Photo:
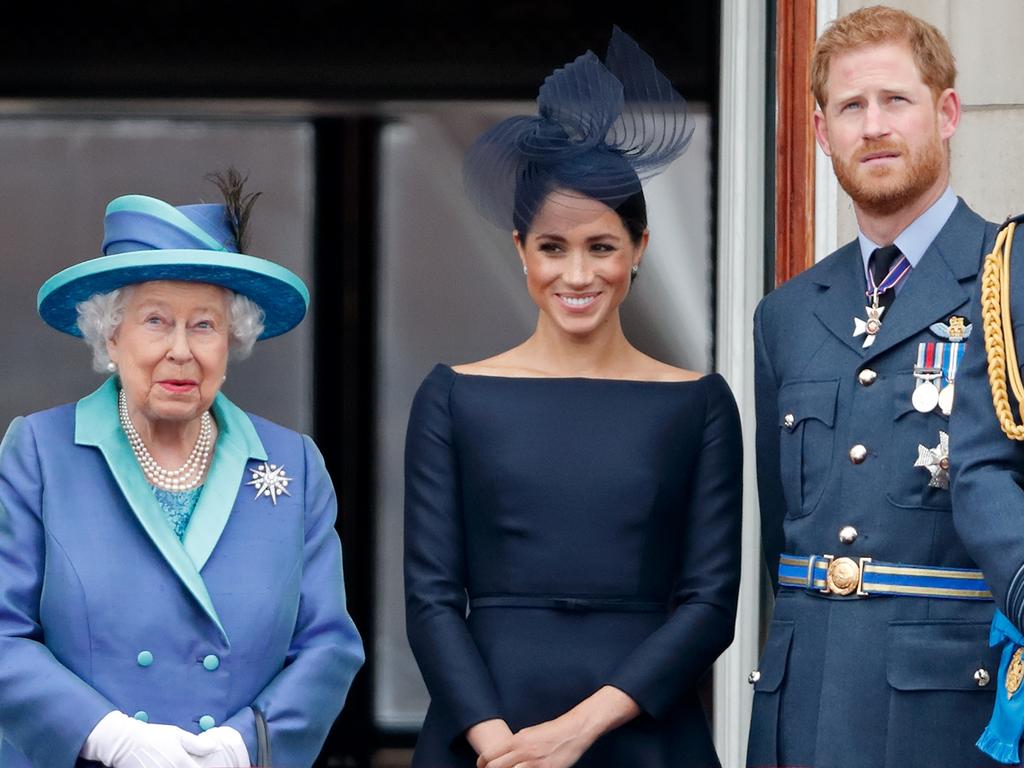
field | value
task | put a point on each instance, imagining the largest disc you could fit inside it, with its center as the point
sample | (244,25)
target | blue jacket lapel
(933,290)
(237,442)
(843,298)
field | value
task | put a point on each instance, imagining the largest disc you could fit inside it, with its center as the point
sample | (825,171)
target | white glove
(229,749)
(120,741)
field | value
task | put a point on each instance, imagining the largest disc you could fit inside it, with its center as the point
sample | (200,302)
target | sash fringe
(994,747)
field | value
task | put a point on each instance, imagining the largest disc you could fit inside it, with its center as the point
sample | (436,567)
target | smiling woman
(583,495)
(579,259)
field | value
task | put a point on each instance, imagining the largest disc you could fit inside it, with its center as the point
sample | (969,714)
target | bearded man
(877,653)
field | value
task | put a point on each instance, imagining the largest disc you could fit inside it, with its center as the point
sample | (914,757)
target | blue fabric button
(206,722)
(142,715)
(211,662)
(145,658)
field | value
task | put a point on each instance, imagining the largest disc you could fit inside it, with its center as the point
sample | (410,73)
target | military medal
(1014,673)
(953,356)
(946,399)
(926,394)
(928,375)
(936,461)
(870,327)
(935,372)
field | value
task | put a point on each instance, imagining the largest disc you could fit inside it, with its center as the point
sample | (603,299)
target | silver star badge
(870,327)
(270,481)
(936,461)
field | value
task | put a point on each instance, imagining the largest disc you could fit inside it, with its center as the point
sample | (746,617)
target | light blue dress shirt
(915,239)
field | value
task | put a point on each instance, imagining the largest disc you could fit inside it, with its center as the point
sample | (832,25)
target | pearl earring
(112,367)
(525,270)
(636,268)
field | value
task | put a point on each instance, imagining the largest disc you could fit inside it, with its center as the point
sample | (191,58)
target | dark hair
(632,211)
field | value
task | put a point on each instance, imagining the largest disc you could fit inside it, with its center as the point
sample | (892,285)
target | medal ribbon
(954,353)
(896,274)
(929,356)
(942,355)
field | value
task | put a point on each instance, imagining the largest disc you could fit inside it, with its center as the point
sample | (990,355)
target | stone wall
(987,151)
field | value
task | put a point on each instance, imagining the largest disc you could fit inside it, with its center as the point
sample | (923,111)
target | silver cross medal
(870,327)
(936,461)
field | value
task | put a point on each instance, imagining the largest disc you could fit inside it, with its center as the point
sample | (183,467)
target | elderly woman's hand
(229,749)
(120,741)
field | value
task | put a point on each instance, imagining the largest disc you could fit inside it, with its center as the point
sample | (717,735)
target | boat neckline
(575,378)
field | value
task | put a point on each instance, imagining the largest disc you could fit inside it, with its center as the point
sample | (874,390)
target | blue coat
(103,608)
(876,681)
(987,467)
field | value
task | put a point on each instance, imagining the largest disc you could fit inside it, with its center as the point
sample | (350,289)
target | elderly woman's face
(171,348)
(579,257)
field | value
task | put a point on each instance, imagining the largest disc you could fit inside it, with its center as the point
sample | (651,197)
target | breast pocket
(908,485)
(942,678)
(807,411)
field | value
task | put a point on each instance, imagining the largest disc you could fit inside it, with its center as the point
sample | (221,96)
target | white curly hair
(101,314)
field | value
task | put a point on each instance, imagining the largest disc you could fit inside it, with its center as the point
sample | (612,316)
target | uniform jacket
(103,608)
(987,467)
(876,681)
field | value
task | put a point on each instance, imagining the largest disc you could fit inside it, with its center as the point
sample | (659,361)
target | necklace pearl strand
(188,475)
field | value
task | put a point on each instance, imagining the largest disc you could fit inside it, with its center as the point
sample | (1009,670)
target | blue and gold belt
(864,577)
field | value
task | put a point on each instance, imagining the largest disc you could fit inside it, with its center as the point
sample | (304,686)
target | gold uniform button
(981,677)
(847,534)
(867,377)
(789,420)
(858,453)
(754,676)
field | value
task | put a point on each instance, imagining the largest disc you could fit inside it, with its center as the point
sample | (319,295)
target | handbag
(263,756)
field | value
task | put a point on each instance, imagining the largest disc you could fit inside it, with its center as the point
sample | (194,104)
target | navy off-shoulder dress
(592,528)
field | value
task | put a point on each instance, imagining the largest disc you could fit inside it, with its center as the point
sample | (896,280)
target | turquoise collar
(96,424)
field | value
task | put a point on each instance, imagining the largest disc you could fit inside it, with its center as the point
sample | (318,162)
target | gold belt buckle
(845,576)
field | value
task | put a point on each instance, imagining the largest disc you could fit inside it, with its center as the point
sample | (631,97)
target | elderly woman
(171,590)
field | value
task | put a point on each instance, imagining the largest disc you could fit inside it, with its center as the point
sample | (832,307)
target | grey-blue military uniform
(878,679)
(988,467)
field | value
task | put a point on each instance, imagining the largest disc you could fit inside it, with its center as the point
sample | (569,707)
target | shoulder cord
(999,341)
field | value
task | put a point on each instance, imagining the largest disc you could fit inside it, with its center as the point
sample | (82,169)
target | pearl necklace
(188,475)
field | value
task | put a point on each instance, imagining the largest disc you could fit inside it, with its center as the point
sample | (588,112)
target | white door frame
(741,187)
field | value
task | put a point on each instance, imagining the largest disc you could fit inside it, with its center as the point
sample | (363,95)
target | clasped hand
(120,741)
(557,743)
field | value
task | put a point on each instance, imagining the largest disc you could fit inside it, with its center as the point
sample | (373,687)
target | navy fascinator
(600,130)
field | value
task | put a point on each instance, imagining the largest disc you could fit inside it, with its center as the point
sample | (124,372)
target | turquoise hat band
(159,211)
(279,292)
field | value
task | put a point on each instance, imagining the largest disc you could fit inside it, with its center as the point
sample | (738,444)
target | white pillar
(741,174)
(826,188)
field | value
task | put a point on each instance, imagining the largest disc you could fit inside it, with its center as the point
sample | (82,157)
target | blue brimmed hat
(147,239)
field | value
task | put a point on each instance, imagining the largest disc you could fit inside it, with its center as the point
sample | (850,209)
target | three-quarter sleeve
(676,655)
(987,475)
(435,564)
(302,701)
(46,710)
